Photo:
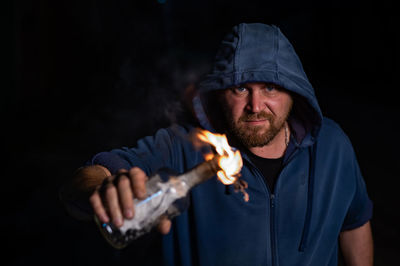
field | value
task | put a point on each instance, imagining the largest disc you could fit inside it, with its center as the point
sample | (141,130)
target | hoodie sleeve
(360,210)
(150,154)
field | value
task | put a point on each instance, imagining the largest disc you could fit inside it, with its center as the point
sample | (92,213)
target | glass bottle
(165,198)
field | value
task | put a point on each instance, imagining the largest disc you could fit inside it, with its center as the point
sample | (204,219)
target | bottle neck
(201,172)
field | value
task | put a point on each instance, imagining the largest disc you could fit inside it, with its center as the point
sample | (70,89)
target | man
(306,190)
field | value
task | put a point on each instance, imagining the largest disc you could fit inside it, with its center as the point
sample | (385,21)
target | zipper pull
(272,197)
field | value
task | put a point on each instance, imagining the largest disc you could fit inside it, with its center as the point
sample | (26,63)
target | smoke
(148,94)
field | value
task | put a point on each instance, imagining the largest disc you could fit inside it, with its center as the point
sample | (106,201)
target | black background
(88,76)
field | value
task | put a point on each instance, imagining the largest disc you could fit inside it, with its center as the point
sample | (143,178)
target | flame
(230,161)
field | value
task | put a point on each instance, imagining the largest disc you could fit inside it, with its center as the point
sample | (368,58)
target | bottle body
(161,196)
(166,194)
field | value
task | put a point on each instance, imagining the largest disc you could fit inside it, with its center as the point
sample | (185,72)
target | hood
(260,53)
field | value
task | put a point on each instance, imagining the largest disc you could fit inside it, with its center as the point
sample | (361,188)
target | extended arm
(357,246)
(114,201)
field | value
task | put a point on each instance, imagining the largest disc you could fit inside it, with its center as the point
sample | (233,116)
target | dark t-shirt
(270,168)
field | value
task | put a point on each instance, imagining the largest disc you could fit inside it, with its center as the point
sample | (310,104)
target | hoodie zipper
(272,204)
(272,214)
(272,229)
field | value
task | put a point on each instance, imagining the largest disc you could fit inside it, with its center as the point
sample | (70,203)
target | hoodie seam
(276,40)
(296,79)
(237,54)
(241,72)
(310,198)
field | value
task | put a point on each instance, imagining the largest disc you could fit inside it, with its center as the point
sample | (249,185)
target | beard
(256,135)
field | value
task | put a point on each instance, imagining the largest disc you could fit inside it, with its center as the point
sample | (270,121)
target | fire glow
(230,161)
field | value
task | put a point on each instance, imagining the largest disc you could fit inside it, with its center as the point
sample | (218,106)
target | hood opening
(303,120)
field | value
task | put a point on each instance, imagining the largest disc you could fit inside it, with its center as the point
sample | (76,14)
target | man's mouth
(256,119)
(256,122)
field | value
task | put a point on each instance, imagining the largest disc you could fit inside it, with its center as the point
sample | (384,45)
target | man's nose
(256,102)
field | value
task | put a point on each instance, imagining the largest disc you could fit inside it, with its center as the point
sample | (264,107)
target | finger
(139,179)
(164,226)
(112,203)
(98,208)
(125,196)
(121,171)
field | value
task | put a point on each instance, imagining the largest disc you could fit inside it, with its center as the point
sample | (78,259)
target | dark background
(88,76)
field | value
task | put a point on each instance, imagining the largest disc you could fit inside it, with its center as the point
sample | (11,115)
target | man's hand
(113,201)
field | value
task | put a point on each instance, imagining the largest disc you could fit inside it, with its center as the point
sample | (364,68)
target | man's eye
(270,88)
(240,89)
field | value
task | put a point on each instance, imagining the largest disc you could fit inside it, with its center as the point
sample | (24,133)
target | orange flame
(230,161)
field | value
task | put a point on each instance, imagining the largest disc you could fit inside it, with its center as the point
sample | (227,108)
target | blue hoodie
(319,193)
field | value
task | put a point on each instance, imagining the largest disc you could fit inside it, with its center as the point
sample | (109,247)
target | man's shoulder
(331,132)
(179,131)
(330,126)
(180,128)
(177,135)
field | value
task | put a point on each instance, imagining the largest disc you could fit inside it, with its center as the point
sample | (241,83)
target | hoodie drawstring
(306,228)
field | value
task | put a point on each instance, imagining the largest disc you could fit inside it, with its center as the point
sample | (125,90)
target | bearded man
(306,190)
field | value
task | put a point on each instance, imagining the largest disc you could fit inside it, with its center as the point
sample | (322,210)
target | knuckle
(123,182)
(98,211)
(94,197)
(141,195)
(135,169)
(139,180)
(126,196)
(139,188)
(109,191)
(136,172)
(122,171)
(97,207)
(127,204)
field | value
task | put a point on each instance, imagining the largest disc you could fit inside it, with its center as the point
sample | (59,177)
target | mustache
(258,116)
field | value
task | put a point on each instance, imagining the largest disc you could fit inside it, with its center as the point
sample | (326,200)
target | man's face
(256,112)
